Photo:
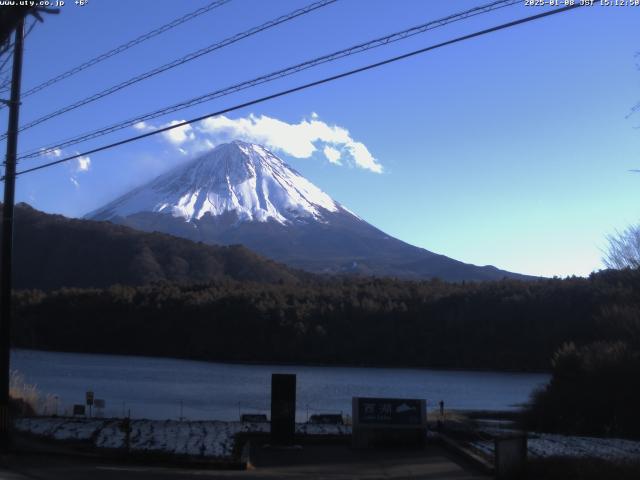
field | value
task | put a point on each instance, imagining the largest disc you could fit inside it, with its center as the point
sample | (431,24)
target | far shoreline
(296,364)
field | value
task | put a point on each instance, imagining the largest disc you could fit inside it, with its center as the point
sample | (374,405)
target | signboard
(389,411)
(389,421)
(283,408)
(326,419)
(89,397)
(78,410)
(254,418)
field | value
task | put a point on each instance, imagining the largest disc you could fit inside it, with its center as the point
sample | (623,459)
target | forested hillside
(507,324)
(52,251)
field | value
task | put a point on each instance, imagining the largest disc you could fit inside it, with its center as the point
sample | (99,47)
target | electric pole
(7,237)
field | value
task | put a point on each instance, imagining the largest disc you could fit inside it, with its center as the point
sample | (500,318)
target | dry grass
(19,389)
(28,393)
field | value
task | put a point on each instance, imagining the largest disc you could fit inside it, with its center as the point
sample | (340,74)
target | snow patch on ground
(216,439)
(553,445)
(545,445)
(212,439)
(61,429)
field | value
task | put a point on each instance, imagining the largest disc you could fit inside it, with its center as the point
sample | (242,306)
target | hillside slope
(52,251)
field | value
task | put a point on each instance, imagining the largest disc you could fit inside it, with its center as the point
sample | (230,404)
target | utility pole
(7,237)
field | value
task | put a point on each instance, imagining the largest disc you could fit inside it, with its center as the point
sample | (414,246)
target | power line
(180,61)
(381,41)
(2,72)
(6,46)
(31,27)
(4,50)
(126,46)
(307,85)
(4,85)
(6,81)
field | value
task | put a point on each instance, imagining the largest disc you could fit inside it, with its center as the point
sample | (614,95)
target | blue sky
(511,149)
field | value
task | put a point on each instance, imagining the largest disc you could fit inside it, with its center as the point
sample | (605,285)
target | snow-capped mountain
(241,193)
(237,177)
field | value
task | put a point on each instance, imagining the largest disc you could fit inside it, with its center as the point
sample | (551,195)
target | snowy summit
(238,177)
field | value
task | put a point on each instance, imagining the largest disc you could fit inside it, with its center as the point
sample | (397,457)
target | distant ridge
(52,251)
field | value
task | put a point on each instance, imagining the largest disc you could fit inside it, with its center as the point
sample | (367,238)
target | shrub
(594,390)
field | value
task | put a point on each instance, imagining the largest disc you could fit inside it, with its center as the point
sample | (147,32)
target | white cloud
(83,164)
(179,135)
(54,153)
(80,165)
(143,127)
(299,140)
(296,139)
(332,155)
(363,157)
(198,145)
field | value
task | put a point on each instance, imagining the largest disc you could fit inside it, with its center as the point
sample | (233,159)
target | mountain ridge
(53,251)
(241,193)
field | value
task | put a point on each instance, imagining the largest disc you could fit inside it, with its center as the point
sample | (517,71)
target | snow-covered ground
(552,445)
(215,439)
(211,439)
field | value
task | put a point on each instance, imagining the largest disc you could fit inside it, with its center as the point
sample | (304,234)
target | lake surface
(161,388)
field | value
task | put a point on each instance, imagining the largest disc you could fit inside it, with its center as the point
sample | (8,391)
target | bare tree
(623,250)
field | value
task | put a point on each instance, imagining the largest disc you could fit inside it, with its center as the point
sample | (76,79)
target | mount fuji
(241,193)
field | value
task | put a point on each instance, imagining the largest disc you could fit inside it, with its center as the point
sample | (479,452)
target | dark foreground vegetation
(509,324)
(594,390)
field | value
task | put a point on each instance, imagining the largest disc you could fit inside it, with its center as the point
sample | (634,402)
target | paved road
(334,463)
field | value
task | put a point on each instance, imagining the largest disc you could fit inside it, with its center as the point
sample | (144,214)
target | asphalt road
(308,463)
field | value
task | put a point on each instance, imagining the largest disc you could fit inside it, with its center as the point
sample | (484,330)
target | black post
(283,408)
(7,237)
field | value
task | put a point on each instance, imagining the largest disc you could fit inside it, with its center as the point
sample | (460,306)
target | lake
(163,388)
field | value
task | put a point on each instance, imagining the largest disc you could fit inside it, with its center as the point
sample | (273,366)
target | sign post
(510,455)
(89,400)
(283,408)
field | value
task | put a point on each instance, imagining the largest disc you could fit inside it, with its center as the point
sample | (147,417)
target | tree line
(503,325)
